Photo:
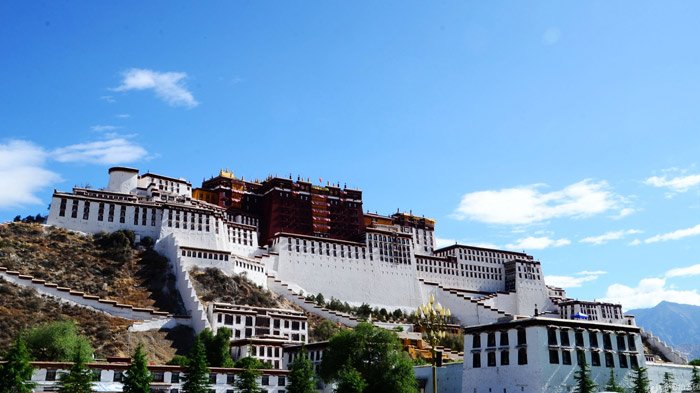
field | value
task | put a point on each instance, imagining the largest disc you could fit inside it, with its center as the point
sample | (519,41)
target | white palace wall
(354,280)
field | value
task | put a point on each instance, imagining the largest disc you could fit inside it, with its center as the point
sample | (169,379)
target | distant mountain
(676,324)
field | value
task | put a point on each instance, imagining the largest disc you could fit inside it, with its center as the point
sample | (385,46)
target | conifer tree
(695,380)
(138,378)
(247,381)
(196,372)
(612,386)
(640,381)
(302,378)
(584,383)
(16,373)
(217,347)
(79,378)
(667,383)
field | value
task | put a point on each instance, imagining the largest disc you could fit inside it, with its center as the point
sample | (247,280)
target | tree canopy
(79,378)
(217,347)
(302,378)
(695,380)
(375,354)
(640,381)
(56,341)
(138,378)
(247,381)
(196,372)
(584,383)
(16,373)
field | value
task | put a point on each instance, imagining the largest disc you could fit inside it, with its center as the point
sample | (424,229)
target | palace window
(476,360)
(62,208)
(609,361)
(74,209)
(522,338)
(623,360)
(86,210)
(552,336)
(554,356)
(621,343)
(595,359)
(564,334)
(566,357)
(593,338)
(522,356)
(505,358)
(476,343)
(504,339)
(491,359)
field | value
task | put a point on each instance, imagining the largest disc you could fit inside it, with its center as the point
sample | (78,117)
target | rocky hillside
(98,265)
(676,324)
(22,308)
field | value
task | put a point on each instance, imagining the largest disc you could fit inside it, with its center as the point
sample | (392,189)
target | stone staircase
(469,310)
(82,299)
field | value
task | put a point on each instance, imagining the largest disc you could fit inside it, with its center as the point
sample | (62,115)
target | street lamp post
(432,318)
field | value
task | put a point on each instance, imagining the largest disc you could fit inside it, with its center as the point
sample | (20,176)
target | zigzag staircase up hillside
(467,308)
(285,290)
(145,318)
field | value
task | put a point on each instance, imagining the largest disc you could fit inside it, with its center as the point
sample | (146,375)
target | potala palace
(296,237)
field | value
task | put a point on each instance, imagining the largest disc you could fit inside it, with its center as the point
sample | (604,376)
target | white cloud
(551,36)
(608,236)
(675,235)
(123,116)
(111,151)
(574,281)
(675,184)
(648,293)
(635,242)
(104,127)
(537,243)
(23,173)
(169,86)
(624,212)
(109,99)
(527,204)
(693,270)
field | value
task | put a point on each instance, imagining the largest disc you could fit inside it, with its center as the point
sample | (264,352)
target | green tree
(324,330)
(695,380)
(79,378)
(640,381)
(178,360)
(694,362)
(247,381)
(56,341)
(375,354)
(320,300)
(138,378)
(612,386)
(302,378)
(584,383)
(16,373)
(667,383)
(217,347)
(196,372)
(350,381)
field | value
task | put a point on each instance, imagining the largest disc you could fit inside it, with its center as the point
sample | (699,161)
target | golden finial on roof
(226,173)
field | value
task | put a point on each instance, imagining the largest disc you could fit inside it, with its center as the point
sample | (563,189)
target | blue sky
(567,130)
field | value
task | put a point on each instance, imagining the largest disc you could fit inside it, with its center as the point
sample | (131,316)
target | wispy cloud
(537,243)
(110,151)
(104,128)
(23,173)
(688,271)
(575,281)
(674,235)
(168,86)
(122,116)
(675,184)
(609,236)
(528,204)
(109,99)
